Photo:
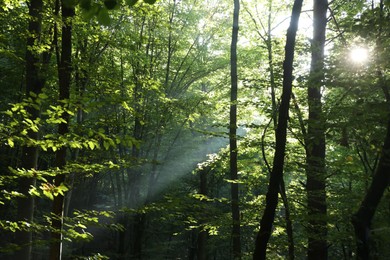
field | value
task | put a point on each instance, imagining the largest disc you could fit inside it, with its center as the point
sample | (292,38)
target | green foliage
(150,1)
(131,2)
(101,10)
(148,102)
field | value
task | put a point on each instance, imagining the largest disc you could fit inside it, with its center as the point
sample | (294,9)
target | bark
(276,176)
(29,159)
(315,146)
(361,220)
(233,136)
(289,231)
(64,76)
(289,228)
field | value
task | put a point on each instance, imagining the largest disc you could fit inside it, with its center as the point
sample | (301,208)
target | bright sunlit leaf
(10,142)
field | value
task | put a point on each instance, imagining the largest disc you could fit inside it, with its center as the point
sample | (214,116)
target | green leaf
(131,2)
(81,225)
(10,142)
(85,4)
(91,145)
(110,4)
(150,1)
(43,96)
(8,112)
(103,17)
(70,3)
(61,189)
(48,194)
(89,13)
(34,192)
(126,106)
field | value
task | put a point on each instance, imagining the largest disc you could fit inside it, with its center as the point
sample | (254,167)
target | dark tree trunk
(361,220)
(281,136)
(289,231)
(315,146)
(29,159)
(233,136)
(289,227)
(64,76)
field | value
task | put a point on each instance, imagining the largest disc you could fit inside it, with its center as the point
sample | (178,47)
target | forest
(172,129)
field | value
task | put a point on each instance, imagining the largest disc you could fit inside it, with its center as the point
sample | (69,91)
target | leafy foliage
(148,113)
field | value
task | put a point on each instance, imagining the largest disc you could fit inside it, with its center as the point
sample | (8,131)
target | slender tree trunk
(139,218)
(135,176)
(233,136)
(201,251)
(289,231)
(64,76)
(315,146)
(281,137)
(271,64)
(29,159)
(120,179)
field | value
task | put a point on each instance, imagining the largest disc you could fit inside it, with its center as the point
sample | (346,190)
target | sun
(358,54)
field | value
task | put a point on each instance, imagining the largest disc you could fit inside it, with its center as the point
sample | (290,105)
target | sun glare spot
(358,55)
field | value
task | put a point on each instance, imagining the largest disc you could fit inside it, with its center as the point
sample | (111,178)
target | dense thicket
(115,128)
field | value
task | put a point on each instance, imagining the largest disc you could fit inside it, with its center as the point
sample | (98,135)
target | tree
(201,251)
(233,136)
(64,80)
(35,80)
(362,219)
(143,134)
(265,34)
(276,176)
(315,140)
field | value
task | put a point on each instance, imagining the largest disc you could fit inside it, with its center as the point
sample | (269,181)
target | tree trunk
(29,159)
(289,230)
(233,136)
(135,176)
(281,136)
(315,146)
(361,220)
(201,251)
(64,76)
(289,227)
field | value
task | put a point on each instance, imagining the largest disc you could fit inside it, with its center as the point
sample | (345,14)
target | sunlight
(358,54)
